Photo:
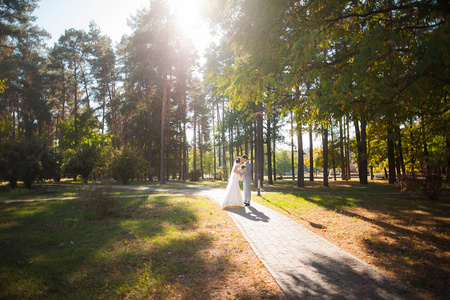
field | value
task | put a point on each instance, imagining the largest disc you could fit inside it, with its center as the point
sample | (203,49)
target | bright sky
(111,16)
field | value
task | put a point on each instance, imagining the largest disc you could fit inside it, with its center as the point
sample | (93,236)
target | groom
(246,179)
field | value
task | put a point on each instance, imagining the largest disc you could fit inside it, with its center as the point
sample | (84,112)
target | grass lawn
(71,189)
(157,247)
(405,235)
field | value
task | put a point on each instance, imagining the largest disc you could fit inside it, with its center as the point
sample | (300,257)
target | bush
(128,164)
(195,175)
(84,161)
(97,198)
(51,165)
(430,183)
(23,160)
(433,182)
(223,173)
(407,183)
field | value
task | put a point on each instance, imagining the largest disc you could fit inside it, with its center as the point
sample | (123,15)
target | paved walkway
(305,265)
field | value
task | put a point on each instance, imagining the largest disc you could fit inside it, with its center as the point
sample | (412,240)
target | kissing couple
(233,197)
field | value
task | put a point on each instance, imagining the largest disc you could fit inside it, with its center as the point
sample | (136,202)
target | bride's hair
(238,160)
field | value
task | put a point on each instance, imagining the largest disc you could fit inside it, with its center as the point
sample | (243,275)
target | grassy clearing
(72,188)
(38,192)
(158,248)
(405,235)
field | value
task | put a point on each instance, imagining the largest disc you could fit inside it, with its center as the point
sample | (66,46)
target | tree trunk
(115,138)
(311,154)
(300,167)
(214,144)
(219,137)
(180,151)
(88,105)
(333,158)
(75,114)
(269,152)
(325,157)
(261,148)
(362,150)
(341,144)
(162,161)
(447,143)
(391,153)
(257,149)
(292,148)
(231,150)
(253,147)
(400,159)
(200,139)
(364,163)
(168,136)
(425,144)
(274,158)
(259,162)
(185,154)
(347,152)
(224,159)
(194,141)
(149,125)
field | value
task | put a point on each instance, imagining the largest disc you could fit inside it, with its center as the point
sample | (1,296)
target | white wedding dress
(233,196)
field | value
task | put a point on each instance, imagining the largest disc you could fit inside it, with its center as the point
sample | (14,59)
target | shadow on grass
(149,248)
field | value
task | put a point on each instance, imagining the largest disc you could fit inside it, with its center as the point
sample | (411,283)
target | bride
(233,196)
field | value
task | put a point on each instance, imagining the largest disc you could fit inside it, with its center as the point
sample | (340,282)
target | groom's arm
(248,169)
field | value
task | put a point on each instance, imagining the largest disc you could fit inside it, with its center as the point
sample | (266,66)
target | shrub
(97,198)
(223,173)
(430,183)
(195,175)
(128,164)
(433,182)
(407,183)
(23,160)
(83,161)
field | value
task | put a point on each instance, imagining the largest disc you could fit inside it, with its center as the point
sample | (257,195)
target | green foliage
(128,164)
(51,161)
(283,161)
(195,175)
(83,161)
(26,160)
(83,147)
(375,61)
(30,156)
(223,173)
(84,131)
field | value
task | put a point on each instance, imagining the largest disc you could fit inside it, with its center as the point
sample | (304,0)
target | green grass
(72,189)
(54,250)
(338,195)
(38,192)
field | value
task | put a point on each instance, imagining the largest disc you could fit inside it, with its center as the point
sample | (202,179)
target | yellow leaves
(3,86)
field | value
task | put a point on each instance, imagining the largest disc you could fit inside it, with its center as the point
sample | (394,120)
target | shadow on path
(253,214)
